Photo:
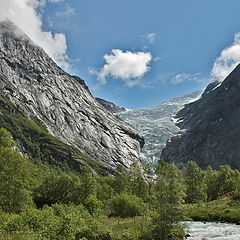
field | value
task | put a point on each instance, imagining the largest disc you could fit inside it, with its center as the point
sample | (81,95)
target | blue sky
(163,49)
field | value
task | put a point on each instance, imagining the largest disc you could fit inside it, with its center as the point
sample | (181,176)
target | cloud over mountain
(187,77)
(25,14)
(227,61)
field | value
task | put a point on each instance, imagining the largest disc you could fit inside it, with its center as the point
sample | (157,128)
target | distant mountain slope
(210,127)
(156,124)
(61,103)
(110,106)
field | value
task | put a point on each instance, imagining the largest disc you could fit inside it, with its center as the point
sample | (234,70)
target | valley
(74,166)
(157,124)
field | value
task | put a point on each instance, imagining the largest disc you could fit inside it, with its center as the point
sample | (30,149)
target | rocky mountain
(210,127)
(32,83)
(157,124)
(110,106)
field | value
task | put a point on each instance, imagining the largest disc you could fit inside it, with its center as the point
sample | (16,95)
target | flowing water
(215,231)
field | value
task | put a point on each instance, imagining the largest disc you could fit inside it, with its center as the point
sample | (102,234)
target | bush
(58,222)
(126,205)
(93,205)
(14,193)
(57,189)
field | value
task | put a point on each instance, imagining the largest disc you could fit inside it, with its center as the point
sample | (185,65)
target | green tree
(14,173)
(169,195)
(150,168)
(93,205)
(210,180)
(122,182)
(139,186)
(88,184)
(195,183)
(58,189)
(127,205)
(227,180)
(6,140)
(56,222)
(104,190)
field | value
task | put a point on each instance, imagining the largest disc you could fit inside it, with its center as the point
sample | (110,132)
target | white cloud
(24,14)
(55,1)
(227,61)
(69,11)
(127,66)
(187,77)
(158,58)
(150,37)
(163,78)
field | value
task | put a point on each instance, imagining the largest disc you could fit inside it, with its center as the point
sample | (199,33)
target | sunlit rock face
(210,127)
(61,102)
(110,106)
(157,124)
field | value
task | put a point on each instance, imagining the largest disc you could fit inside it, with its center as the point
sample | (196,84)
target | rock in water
(61,102)
(210,127)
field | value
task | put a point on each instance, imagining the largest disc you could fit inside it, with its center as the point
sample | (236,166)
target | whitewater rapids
(211,230)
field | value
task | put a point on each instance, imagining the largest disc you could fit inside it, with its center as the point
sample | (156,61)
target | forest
(40,202)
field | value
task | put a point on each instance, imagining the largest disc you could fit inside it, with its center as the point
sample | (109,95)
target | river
(211,230)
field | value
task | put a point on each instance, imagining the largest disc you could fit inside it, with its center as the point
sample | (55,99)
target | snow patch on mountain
(157,124)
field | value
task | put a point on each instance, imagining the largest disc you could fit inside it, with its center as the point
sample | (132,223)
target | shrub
(58,222)
(93,205)
(126,205)
(57,189)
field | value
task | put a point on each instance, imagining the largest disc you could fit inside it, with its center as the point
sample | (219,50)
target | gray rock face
(157,124)
(110,106)
(210,127)
(62,102)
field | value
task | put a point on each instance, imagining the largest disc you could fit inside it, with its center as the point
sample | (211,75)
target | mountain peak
(9,29)
(210,127)
(61,102)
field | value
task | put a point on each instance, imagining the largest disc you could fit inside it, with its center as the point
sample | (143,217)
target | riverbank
(225,209)
(134,228)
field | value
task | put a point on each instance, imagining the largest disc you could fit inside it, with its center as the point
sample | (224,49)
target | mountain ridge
(110,106)
(61,102)
(210,127)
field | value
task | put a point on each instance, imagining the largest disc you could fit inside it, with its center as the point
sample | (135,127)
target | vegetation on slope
(65,205)
(39,145)
(224,209)
(39,202)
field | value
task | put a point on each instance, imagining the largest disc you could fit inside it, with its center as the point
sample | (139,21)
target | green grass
(20,236)
(224,209)
(133,228)
(122,229)
(127,228)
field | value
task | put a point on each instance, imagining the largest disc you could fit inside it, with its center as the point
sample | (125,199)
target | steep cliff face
(210,127)
(61,102)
